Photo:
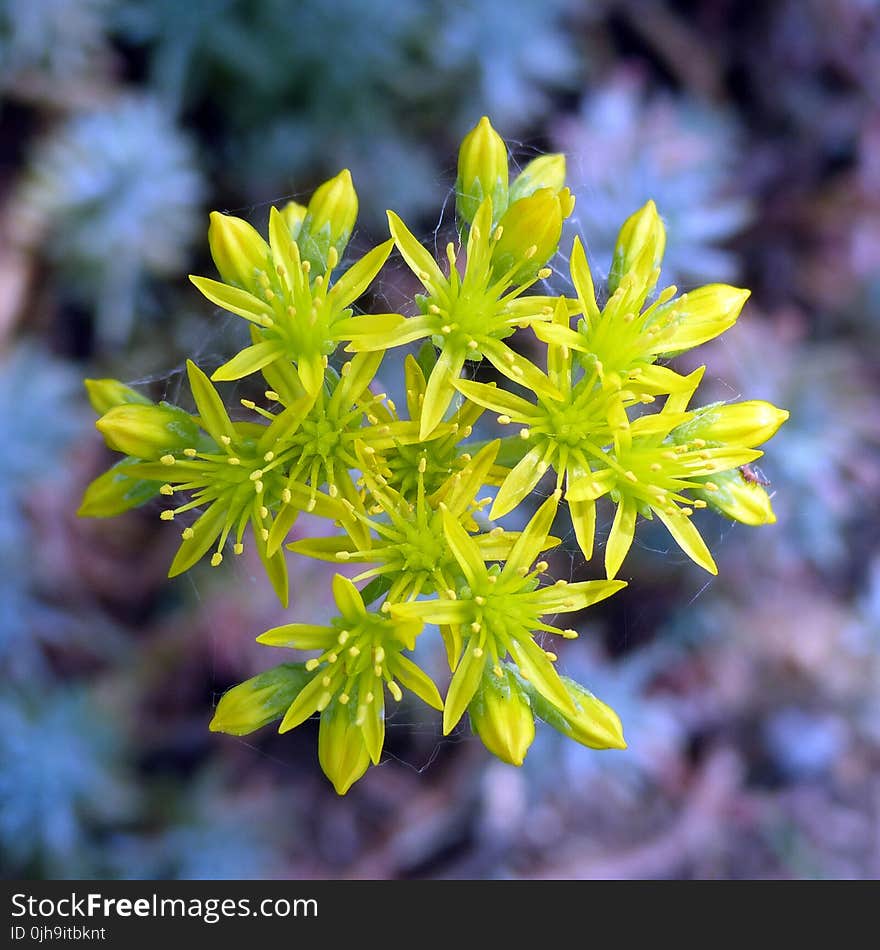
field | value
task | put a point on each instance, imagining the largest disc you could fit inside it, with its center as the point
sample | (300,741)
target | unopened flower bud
(738,497)
(148,432)
(639,248)
(329,220)
(546,171)
(342,751)
(115,492)
(259,700)
(594,723)
(744,424)
(105,394)
(482,173)
(700,315)
(502,717)
(294,214)
(239,252)
(531,229)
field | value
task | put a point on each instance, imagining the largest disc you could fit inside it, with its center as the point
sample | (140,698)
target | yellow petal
(463,686)
(299,636)
(463,549)
(440,390)
(583,520)
(540,672)
(531,542)
(236,301)
(249,360)
(352,284)
(688,538)
(211,409)
(522,479)
(621,537)
(205,532)
(583,281)
(373,725)
(420,262)
(417,681)
(498,400)
(348,598)
(305,704)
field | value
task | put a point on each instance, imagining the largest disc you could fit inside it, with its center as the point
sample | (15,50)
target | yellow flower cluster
(400,488)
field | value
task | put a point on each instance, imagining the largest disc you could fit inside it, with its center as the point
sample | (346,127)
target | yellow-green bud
(238,250)
(546,171)
(595,724)
(737,497)
(639,248)
(342,751)
(502,717)
(530,234)
(329,220)
(744,424)
(147,432)
(700,315)
(294,214)
(104,394)
(259,700)
(114,492)
(482,173)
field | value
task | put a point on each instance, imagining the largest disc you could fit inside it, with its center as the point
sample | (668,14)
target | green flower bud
(329,220)
(595,724)
(482,173)
(738,497)
(639,248)
(342,750)
(114,492)
(148,432)
(745,424)
(294,214)
(238,250)
(501,715)
(259,700)
(530,232)
(105,394)
(547,171)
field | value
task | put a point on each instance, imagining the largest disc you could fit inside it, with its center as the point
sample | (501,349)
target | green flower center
(322,436)
(570,425)
(423,547)
(356,667)
(439,458)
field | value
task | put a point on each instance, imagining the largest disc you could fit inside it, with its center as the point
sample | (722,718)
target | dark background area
(751,703)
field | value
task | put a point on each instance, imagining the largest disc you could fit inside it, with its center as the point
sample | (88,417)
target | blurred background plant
(751,704)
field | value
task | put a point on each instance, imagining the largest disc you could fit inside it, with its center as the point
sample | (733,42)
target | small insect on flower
(753,475)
